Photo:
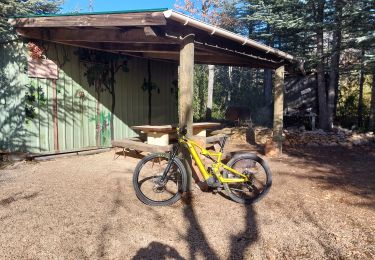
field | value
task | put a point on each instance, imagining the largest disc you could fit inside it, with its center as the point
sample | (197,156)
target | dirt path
(321,205)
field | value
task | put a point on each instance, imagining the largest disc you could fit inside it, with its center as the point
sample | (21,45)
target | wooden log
(278,108)
(186,84)
(185,98)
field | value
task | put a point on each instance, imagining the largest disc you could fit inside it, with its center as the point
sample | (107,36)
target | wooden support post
(278,112)
(185,97)
(54,116)
(186,84)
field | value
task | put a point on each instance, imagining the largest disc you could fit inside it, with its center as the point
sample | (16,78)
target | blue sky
(114,5)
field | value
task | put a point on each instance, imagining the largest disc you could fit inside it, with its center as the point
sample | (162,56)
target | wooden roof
(151,34)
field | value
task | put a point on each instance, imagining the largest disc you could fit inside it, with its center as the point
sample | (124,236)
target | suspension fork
(169,165)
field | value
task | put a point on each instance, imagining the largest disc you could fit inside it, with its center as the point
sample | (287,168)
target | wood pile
(319,137)
(296,137)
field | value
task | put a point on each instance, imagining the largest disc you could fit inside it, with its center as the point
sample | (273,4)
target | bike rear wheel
(147,180)
(259,174)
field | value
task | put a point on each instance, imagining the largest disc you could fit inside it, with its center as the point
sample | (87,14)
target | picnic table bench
(158,137)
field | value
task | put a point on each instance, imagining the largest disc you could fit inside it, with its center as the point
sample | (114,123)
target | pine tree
(335,59)
(318,31)
(9,8)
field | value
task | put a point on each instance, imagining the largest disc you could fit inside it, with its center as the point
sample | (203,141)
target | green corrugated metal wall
(77,115)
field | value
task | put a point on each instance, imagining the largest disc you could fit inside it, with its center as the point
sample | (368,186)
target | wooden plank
(155,128)
(131,35)
(172,128)
(205,125)
(139,146)
(127,19)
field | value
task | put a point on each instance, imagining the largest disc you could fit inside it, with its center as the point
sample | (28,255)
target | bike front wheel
(258,173)
(147,180)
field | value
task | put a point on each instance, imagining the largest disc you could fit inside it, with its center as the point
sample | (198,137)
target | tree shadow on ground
(243,240)
(195,237)
(156,250)
(199,245)
(121,154)
(339,168)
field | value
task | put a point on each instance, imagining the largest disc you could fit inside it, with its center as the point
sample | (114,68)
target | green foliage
(11,8)
(347,107)
(237,86)
(200,92)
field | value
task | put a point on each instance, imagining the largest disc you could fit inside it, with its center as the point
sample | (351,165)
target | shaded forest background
(334,38)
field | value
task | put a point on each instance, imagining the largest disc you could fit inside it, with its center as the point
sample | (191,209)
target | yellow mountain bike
(159,179)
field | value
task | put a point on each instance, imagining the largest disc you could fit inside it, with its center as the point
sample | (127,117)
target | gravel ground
(321,205)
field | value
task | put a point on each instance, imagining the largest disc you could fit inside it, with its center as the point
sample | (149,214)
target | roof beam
(175,31)
(92,35)
(128,19)
(216,50)
(213,59)
(128,47)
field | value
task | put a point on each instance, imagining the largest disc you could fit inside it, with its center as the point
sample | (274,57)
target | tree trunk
(360,98)
(372,111)
(335,60)
(278,110)
(322,95)
(267,76)
(210,90)
(230,76)
(267,86)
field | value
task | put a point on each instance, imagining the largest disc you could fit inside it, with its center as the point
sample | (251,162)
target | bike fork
(171,157)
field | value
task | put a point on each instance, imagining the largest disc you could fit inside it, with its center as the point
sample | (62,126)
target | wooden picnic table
(160,134)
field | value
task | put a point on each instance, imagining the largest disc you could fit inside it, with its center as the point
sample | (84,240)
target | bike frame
(216,166)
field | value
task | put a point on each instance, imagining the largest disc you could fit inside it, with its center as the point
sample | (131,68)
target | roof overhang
(155,34)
